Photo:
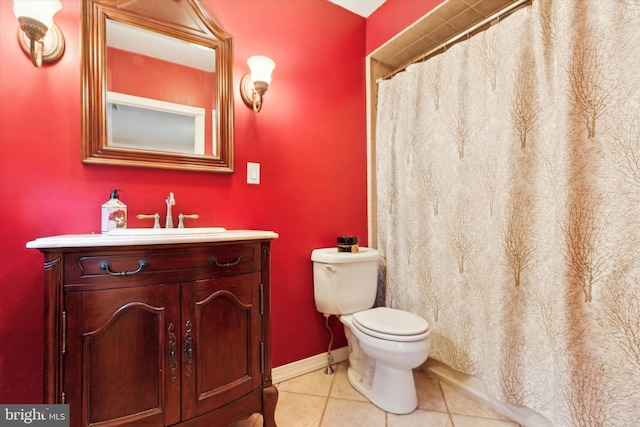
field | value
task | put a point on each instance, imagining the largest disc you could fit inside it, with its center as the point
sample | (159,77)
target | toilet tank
(344,282)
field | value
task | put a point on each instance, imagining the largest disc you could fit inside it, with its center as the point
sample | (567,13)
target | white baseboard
(473,387)
(304,366)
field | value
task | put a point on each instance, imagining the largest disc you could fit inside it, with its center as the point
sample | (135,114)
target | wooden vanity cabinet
(159,335)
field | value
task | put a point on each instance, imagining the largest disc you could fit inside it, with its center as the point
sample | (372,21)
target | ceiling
(359,7)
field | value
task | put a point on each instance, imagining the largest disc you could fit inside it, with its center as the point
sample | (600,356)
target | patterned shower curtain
(508,207)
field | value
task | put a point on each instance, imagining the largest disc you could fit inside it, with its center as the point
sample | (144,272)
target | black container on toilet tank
(348,243)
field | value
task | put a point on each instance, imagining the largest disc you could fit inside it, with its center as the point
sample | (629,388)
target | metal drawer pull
(188,349)
(173,364)
(214,260)
(106,266)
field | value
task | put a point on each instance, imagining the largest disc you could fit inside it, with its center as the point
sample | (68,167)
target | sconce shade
(39,37)
(253,86)
(261,68)
(40,10)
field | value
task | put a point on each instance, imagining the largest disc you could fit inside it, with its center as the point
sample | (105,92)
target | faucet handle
(181,218)
(156,219)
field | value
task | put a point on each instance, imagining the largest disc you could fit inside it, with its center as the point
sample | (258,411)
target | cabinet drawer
(163,265)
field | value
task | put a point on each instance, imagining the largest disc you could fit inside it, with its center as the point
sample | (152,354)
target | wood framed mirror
(156,86)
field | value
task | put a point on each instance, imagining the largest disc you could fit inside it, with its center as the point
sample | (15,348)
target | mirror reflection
(156,86)
(160,92)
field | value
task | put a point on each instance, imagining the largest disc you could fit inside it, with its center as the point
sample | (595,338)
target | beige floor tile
(316,383)
(341,388)
(419,418)
(429,393)
(349,413)
(459,403)
(469,421)
(299,410)
(320,400)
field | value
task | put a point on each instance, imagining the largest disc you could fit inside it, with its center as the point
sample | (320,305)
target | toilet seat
(391,324)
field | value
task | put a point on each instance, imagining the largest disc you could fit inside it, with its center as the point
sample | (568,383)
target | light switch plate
(253,173)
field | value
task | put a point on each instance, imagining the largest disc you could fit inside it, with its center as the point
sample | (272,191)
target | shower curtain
(508,207)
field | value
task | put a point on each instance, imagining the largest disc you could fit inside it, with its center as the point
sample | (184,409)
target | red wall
(393,17)
(310,139)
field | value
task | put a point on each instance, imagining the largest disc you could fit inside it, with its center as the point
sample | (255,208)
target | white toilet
(385,344)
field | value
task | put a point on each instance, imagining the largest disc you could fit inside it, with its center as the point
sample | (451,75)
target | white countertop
(104,240)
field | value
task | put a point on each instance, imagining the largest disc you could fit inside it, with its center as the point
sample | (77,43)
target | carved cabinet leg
(269,400)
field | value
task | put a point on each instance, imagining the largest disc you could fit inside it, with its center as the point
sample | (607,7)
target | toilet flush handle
(329,267)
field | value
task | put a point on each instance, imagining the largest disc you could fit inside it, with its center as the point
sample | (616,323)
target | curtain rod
(498,15)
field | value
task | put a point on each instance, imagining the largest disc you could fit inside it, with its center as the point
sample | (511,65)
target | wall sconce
(254,85)
(39,37)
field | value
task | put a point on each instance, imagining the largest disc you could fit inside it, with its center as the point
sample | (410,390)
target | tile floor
(320,400)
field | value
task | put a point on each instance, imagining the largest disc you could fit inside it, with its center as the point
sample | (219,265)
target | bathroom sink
(144,232)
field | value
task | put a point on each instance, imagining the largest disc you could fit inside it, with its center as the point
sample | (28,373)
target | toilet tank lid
(332,256)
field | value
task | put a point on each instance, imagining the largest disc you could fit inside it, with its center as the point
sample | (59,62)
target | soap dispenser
(114,213)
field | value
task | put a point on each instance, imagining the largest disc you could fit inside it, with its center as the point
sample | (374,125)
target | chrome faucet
(171,201)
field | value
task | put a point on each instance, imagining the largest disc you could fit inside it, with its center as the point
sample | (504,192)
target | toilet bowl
(385,344)
(380,365)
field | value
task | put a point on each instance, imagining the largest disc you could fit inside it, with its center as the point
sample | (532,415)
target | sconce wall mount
(254,85)
(39,37)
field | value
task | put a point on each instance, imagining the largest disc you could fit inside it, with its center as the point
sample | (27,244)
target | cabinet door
(122,359)
(221,324)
